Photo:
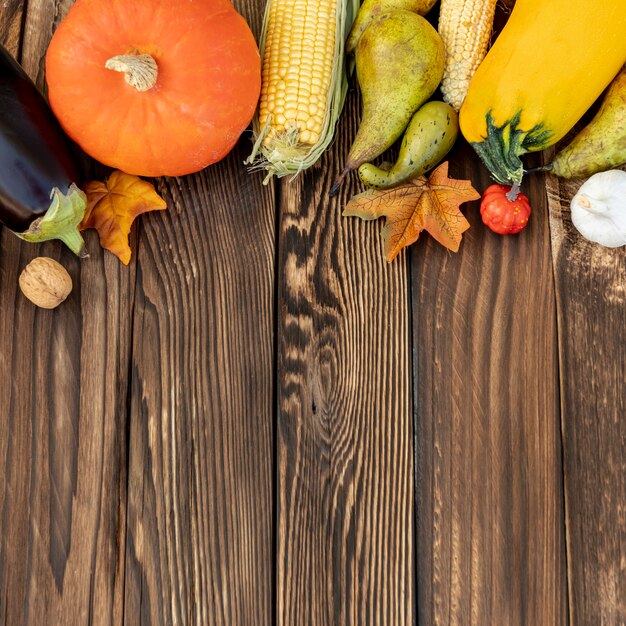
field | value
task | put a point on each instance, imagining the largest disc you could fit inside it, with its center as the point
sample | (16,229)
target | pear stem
(140,70)
(334,190)
(541,168)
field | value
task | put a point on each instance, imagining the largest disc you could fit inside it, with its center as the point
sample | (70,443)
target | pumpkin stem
(140,70)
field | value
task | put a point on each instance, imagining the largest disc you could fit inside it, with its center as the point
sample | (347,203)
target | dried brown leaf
(430,204)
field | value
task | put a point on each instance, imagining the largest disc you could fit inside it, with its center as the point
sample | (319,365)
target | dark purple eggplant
(39,199)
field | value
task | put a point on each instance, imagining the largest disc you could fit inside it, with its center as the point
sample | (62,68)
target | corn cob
(465,27)
(303,82)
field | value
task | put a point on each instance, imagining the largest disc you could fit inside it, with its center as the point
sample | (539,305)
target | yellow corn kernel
(465,28)
(298,57)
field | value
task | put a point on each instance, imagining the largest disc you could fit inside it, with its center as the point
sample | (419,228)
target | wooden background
(261,422)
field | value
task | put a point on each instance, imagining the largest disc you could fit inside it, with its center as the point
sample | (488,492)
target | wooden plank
(591,309)
(42,19)
(11,22)
(199,547)
(490,530)
(62,432)
(62,444)
(345,472)
(490,538)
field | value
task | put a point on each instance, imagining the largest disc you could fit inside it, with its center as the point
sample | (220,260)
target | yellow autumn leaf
(430,204)
(113,205)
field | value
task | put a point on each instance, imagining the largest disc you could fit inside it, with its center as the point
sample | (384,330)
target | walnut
(45,282)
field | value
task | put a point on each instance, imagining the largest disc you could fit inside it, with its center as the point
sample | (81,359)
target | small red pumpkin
(502,215)
(154,87)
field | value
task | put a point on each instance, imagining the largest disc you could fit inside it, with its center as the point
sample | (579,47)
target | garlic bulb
(599,208)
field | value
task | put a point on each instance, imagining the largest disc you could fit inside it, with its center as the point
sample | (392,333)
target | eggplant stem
(61,221)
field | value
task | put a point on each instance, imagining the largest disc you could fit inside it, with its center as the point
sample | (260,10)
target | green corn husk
(286,156)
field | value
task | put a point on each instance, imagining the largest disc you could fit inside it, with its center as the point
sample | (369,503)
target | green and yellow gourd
(550,63)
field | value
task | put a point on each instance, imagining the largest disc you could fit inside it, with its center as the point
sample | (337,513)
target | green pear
(430,135)
(399,64)
(372,8)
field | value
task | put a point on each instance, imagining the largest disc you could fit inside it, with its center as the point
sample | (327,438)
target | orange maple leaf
(430,204)
(113,205)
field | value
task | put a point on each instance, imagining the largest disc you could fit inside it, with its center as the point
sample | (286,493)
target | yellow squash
(551,61)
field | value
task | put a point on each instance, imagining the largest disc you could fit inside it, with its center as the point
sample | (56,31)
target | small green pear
(430,135)
(372,8)
(399,64)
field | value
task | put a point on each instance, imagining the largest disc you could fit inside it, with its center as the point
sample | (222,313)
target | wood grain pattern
(63,518)
(260,422)
(345,474)
(62,442)
(42,19)
(491,546)
(590,283)
(199,547)
(491,541)
(11,23)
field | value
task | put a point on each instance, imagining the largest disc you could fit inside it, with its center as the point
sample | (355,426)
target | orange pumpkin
(154,87)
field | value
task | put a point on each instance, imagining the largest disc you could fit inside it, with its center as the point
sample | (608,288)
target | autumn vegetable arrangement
(148,88)
(39,174)
(522,95)
(155,88)
(507,100)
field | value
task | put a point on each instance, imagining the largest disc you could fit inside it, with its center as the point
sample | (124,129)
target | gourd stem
(513,192)
(140,70)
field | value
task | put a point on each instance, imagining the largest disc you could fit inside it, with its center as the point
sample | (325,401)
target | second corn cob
(465,27)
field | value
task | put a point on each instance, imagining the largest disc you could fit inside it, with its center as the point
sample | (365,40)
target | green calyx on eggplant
(39,199)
